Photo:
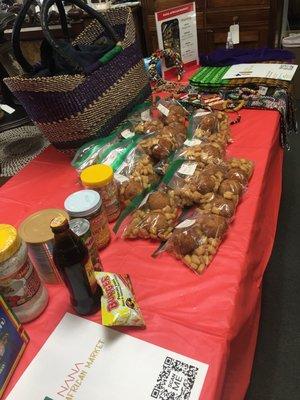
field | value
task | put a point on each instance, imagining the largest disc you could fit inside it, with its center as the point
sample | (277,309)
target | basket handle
(17,31)
(90,11)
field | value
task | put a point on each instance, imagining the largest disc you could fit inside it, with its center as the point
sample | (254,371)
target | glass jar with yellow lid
(100,177)
(20,284)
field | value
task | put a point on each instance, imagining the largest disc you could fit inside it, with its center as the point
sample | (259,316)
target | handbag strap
(17,31)
(90,11)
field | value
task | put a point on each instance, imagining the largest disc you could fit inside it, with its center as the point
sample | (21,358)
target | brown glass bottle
(72,260)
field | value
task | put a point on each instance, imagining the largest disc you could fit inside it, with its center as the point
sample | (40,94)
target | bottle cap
(59,224)
(10,241)
(97,175)
(83,203)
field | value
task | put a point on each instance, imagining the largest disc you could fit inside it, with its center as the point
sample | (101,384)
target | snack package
(171,111)
(115,154)
(202,152)
(118,304)
(192,183)
(162,144)
(135,175)
(154,219)
(90,152)
(196,239)
(240,169)
(140,113)
(212,127)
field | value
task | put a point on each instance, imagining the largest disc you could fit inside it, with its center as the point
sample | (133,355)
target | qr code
(287,67)
(175,381)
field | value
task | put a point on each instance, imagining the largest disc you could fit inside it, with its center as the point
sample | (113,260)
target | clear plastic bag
(171,111)
(204,153)
(115,154)
(196,239)
(212,127)
(90,152)
(162,144)
(135,175)
(193,184)
(154,219)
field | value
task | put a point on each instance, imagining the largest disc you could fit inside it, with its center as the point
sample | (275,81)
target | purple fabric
(223,57)
(47,106)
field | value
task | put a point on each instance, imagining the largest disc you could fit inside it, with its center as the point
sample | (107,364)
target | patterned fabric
(276,99)
(73,109)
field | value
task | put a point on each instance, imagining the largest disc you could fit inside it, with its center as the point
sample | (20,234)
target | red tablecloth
(213,317)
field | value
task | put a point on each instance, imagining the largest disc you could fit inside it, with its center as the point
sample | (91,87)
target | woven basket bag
(73,109)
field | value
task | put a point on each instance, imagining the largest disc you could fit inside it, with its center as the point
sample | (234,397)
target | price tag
(235,33)
(111,158)
(186,223)
(201,112)
(188,169)
(145,115)
(262,90)
(127,134)
(121,178)
(7,109)
(164,110)
(144,201)
(192,142)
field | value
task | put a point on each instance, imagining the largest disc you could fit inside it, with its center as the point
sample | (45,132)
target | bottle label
(22,286)
(90,275)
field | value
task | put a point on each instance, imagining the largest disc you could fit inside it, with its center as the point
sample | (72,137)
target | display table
(212,318)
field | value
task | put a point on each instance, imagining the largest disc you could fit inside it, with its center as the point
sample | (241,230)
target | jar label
(89,242)
(100,230)
(90,275)
(22,286)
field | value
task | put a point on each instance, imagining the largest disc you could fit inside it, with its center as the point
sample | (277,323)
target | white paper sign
(283,72)
(235,33)
(188,168)
(177,29)
(83,360)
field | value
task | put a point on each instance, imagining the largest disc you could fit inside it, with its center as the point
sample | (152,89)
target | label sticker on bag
(121,178)
(145,115)
(127,134)
(111,157)
(201,113)
(7,109)
(188,168)
(192,142)
(164,110)
(186,223)
(144,200)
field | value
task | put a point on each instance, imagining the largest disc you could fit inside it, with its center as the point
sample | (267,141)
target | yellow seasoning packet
(118,305)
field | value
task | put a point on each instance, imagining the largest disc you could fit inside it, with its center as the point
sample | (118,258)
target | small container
(20,284)
(81,228)
(100,177)
(36,232)
(88,204)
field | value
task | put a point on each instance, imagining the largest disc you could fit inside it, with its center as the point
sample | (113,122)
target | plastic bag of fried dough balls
(135,175)
(154,219)
(162,144)
(212,127)
(204,153)
(171,111)
(193,184)
(196,239)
